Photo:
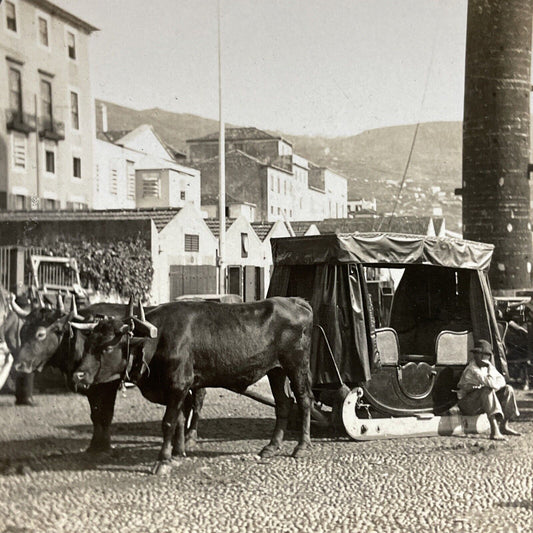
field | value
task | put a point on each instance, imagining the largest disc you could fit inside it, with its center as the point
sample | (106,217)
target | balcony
(51,129)
(19,121)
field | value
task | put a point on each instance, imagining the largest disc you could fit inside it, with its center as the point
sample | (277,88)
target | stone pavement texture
(440,484)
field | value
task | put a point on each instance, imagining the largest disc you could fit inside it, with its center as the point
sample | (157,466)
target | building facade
(135,169)
(46,120)
(263,169)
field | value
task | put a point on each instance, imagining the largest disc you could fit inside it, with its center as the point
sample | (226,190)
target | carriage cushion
(453,347)
(388,346)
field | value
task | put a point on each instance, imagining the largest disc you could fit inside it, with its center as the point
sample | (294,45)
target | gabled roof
(240,134)
(161,217)
(112,136)
(212,199)
(301,227)
(262,229)
(213,225)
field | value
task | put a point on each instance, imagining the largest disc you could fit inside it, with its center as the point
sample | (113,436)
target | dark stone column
(496,192)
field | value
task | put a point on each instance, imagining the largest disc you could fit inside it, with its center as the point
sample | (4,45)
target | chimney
(103,109)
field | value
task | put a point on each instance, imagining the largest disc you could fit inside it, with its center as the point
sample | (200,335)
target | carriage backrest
(388,346)
(453,347)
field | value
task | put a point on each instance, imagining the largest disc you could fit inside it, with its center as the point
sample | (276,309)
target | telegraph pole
(495,189)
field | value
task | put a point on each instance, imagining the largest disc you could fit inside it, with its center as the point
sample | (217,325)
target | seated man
(482,389)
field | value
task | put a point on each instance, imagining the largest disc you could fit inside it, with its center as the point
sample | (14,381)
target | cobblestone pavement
(47,483)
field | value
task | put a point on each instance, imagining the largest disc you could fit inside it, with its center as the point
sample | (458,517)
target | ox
(12,320)
(204,344)
(49,338)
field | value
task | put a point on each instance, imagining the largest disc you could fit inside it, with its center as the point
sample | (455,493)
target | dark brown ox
(204,344)
(48,339)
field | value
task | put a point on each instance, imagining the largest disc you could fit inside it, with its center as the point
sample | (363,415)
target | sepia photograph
(266,266)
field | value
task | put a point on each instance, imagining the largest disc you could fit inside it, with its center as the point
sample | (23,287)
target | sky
(305,67)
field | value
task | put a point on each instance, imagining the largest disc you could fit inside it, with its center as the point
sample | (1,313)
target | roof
(214,225)
(382,248)
(161,217)
(300,228)
(262,229)
(53,9)
(364,223)
(240,134)
(112,136)
(212,199)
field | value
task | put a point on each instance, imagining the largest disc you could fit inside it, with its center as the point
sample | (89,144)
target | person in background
(482,389)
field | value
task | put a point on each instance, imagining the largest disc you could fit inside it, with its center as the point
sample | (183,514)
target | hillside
(373,161)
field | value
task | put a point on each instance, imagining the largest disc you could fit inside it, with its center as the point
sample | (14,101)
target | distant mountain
(374,161)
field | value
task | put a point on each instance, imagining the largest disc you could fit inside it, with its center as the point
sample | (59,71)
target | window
(71,45)
(272,186)
(15,90)
(11,17)
(244,244)
(151,185)
(130,171)
(50,161)
(192,243)
(43,31)
(49,204)
(46,102)
(182,195)
(113,182)
(76,167)
(19,151)
(279,185)
(19,202)
(74,111)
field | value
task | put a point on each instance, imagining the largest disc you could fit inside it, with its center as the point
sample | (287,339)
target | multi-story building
(136,169)
(46,121)
(262,169)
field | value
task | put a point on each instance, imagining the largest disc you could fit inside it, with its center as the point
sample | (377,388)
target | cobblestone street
(432,484)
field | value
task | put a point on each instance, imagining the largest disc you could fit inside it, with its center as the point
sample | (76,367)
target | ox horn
(130,307)
(74,309)
(18,310)
(141,311)
(84,326)
(60,303)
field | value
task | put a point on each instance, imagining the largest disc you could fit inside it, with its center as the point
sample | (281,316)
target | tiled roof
(213,225)
(410,224)
(262,229)
(161,217)
(300,227)
(112,136)
(238,134)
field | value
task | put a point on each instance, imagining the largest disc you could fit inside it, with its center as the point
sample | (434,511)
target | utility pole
(495,189)
(221,172)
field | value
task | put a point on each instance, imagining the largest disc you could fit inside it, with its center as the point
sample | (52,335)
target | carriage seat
(388,345)
(453,347)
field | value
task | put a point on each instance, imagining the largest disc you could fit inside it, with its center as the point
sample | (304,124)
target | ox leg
(102,399)
(196,402)
(277,377)
(301,387)
(173,427)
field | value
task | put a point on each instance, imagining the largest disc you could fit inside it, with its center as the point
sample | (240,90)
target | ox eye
(108,349)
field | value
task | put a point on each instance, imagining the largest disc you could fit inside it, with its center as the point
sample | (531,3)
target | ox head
(41,335)
(111,349)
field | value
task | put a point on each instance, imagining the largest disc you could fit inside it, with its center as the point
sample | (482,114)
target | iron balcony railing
(51,129)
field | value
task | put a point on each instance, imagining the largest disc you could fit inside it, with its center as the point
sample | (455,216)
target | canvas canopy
(328,271)
(381,248)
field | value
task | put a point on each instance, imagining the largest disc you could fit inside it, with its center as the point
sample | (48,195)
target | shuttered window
(113,182)
(71,45)
(130,171)
(192,243)
(19,151)
(43,31)
(151,185)
(74,111)
(11,16)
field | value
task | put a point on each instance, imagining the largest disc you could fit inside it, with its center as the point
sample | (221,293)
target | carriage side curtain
(279,281)
(338,307)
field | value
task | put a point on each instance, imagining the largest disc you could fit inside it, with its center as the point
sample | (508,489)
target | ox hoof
(177,457)
(269,451)
(191,444)
(300,451)
(161,468)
